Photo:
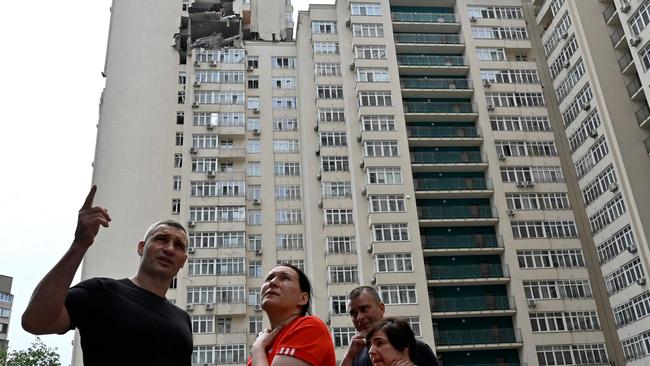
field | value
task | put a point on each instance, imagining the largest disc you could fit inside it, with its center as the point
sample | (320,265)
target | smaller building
(6,300)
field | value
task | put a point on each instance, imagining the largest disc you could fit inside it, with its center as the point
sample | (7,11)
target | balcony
(473,244)
(425,22)
(460,215)
(432,65)
(436,88)
(428,43)
(448,340)
(611,15)
(643,116)
(444,136)
(442,307)
(452,188)
(448,161)
(618,38)
(468,273)
(635,89)
(231,153)
(626,63)
(430,111)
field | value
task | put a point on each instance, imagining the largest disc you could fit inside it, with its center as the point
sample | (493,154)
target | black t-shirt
(424,356)
(123,324)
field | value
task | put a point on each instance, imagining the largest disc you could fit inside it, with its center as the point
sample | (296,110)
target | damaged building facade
(414,146)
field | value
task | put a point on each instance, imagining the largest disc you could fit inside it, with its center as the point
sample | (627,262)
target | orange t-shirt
(305,338)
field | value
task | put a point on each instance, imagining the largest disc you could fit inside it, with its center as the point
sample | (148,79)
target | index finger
(89,199)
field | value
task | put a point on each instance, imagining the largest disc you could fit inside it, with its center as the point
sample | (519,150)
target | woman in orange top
(295,338)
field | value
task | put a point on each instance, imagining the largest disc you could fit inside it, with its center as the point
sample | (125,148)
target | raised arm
(46,312)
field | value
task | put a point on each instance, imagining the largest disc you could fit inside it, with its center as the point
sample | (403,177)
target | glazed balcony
(428,43)
(460,215)
(618,38)
(471,306)
(626,63)
(425,22)
(611,15)
(434,111)
(444,136)
(436,88)
(448,340)
(452,187)
(472,244)
(471,272)
(449,161)
(635,89)
(432,65)
(643,116)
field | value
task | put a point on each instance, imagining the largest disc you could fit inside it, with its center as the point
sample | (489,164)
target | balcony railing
(464,271)
(471,303)
(439,107)
(455,212)
(423,83)
(633,86)
(409,17)
(475,336)
(625,60)
(431,60)
(617,35)
(445,131)
(609,11)
(447,157)
(460,241)
(451,184)
(427,38)
(642,114)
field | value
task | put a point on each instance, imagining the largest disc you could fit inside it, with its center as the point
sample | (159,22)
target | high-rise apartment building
(426,148)
(6,300)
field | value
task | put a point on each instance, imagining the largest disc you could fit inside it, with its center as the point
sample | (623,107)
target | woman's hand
(266,337)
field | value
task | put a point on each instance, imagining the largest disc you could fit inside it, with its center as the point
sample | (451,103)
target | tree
(38,354)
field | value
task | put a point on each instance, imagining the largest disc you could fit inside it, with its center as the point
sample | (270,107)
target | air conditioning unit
(521,184)
(359,138)
(531,303)
(362,164)
(193,150)
(373,279)
(641,281)
(490,107)
(369,249)
(189,307)
(593,133)
(317,152)
(250,68)
(625,7)
(258,252)
(634,41)
(258,307)
(510,212)
(213,63)
(352,66)
(613,187)
(256,110)
(473,19)
(191,250)
(257,201)
(586,106)
(487,83)
(501,157)
(210,126)
(316,128)
(364,191)
(319,177)
(632,248)
(530,184)
(195,104)
(565,35)
(348,23)
(320,204)
(211,174)
(209,307)
(256,131)
(566,64)
(191,223)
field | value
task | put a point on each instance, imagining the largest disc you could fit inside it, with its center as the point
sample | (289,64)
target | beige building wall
(6,301)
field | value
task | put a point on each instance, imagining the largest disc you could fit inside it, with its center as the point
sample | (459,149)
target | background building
(414,146)
(6,299)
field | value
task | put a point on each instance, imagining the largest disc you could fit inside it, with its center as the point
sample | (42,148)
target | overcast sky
(50,68)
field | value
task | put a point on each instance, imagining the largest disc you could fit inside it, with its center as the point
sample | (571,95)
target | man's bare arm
(46,312)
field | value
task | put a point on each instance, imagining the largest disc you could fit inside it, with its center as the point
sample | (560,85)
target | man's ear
(140,247)
(382,307)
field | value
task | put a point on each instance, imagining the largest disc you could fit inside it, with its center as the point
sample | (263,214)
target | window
(394,262)
(372,75)
(180,97)
(338,305)
(205,141)
(611,211)
(288,216)
(283,62)
(397,294)
(384,175)
(218,119)
(285,82)
(593,156)
(377,123)
(644,55)
(343,274)
(560,31)
(255,269)
(491,54)
(253,103)
(180,118)
(179,139)
(390,232)
(574,75)
(217,213)
(373,52)
(342,336)
(526,148)
(616,244)
(215,266)
(217,239)
(365,9)
(326,48)
(254,324)
(231,353)
(331,115)
(414,322)
(386,203)
(637,347)
(253,192)
(340,244)
(327,69)
(544,229)
(285,146)
(574,354)
(585,130)
(510,33)
(640,19)
(339,216)
(632,310)
(284,103)
(495,12)
(577,105)
(537,201)
(219,76)
(253,62)
(253,146)
(219,97)
(546,174)
(215,294)
(286,169)
(514,99)
(368,30)
(599,185)
(231,55)
(552,258)
(178,160)
(520,123)
(254,169)
(560,289)
(569,48)
(375,99)
(287,192)
(333,139)
(253,124)
(285,124)
(176,185)
(323,27)
(566,321)
(380,148)
(289,241)
(254,242)
(176,206)
(336,189)
(329,91)
(624,276)
(510,76)
(335,164)
(202,324)
(253,82)
(254,217)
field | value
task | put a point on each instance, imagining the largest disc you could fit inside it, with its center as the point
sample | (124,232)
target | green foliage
(38,354)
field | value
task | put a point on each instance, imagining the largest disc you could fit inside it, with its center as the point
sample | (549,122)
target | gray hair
(170,223)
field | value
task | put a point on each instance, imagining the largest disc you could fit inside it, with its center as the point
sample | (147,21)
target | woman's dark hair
(305,286)
(399,334)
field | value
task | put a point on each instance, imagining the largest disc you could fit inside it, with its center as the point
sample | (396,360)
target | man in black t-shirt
(121,322)
(365,308)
